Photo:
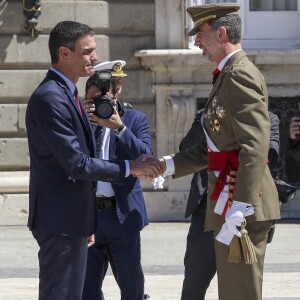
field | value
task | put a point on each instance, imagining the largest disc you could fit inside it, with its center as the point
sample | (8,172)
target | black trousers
(199,260)
(125,249)
(62,261)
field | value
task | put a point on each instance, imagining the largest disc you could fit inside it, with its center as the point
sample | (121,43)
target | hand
(234,218)
(233,221)
(113,122)
(294,128)
(146,166)
(89,107)
(91,240)
(147,157)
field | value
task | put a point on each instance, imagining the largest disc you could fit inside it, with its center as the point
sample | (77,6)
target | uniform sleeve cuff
(170,167)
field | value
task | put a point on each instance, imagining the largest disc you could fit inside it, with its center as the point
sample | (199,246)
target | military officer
(237,129)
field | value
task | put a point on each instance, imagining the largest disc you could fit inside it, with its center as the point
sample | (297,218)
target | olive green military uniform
(236,118)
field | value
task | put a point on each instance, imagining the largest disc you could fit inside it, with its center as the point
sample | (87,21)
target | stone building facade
(168,80)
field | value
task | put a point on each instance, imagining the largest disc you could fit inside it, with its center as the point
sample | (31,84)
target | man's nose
(197,42)
(94,56)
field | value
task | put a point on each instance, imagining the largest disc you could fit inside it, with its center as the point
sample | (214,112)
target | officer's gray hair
(233,25)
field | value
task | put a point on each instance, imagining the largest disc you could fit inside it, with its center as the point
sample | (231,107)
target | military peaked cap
(202,13)
(116,67)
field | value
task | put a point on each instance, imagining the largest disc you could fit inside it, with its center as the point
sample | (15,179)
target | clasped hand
(147,167)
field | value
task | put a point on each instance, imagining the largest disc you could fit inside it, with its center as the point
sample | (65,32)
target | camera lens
(105,109)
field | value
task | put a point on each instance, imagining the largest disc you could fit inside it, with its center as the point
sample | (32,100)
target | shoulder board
(127,105)
(237,63)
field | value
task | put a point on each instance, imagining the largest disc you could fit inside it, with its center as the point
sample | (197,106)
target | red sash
(225,162)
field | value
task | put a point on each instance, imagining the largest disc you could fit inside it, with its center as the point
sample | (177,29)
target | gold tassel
(249,254)
(235,255)
(242,248)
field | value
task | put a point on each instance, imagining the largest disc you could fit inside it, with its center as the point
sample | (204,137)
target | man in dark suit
(199,260)
(119,223)
(62,213)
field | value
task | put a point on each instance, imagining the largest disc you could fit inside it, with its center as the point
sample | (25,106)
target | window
(271,23)
(273,5)
(267,24)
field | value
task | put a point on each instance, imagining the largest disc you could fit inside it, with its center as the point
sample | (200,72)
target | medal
(214,113)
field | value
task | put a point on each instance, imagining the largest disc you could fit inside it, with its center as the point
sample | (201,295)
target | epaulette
(127,105)
(237,63)
(123,106)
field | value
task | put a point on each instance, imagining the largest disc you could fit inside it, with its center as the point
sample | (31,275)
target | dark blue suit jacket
(62,170)
(134,141)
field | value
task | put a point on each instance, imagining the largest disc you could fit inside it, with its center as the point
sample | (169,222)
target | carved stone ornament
(32,11)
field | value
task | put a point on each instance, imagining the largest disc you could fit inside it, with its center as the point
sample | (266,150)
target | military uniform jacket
(236,118)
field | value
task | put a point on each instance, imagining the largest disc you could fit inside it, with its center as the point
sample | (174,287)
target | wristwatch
(118,129)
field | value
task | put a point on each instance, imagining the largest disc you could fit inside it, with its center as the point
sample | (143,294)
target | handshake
(147,167)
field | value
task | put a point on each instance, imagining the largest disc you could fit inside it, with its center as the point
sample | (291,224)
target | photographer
(121,212)
(292,156)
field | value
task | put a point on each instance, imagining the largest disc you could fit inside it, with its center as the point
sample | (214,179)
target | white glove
(234,217)
(158,182)
(234,220)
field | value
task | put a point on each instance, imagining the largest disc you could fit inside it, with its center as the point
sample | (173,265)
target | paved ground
(163,246)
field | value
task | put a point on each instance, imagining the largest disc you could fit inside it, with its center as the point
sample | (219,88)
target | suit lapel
(82,117)
(113,139)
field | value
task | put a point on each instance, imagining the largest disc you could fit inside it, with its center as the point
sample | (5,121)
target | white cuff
(170,167)
(127,171)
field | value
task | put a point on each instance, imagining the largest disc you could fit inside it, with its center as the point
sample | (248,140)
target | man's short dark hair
(66,34)
(233,25)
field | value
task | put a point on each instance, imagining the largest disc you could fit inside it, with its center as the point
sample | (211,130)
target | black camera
(286,192)
(104,105)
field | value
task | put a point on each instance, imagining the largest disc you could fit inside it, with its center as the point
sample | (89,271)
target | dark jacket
(62,168)
(135,141)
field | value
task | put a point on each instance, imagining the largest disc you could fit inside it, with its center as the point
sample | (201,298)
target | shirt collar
(225,59)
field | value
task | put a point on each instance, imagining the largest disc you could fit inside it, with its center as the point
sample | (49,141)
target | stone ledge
(137,86)
(14,154)
(14,182)
(161,207)
(100,15)
(259,56)
(13,209)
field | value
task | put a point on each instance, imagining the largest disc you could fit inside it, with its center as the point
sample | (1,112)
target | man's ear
(64,53)
(222,34)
